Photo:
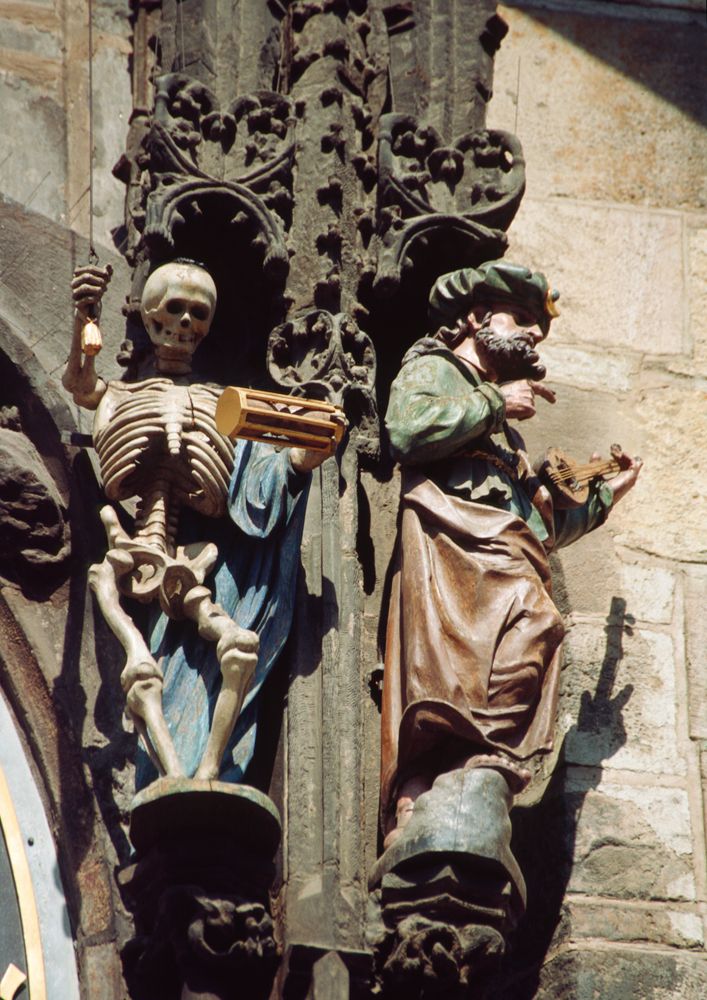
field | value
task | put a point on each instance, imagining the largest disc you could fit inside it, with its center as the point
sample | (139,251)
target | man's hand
(87,289)
(520,397)
(626,479)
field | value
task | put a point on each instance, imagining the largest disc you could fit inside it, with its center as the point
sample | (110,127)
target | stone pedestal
(448,892)
(199,891)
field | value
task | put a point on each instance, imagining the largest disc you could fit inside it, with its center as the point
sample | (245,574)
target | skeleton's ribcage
(163,435)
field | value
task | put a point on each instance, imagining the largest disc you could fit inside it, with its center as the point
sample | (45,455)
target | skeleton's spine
(156,518)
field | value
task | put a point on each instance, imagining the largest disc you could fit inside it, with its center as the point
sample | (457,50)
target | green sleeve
(572,524)
(436,407)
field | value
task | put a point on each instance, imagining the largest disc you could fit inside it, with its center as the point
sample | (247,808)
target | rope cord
(92,255)
(181,32)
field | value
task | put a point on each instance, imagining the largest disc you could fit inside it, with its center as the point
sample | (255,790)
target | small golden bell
(91,340)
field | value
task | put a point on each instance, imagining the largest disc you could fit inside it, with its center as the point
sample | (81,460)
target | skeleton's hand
(304,459)
(87,289)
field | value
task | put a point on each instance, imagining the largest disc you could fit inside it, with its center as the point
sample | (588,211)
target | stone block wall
(44,96)
(609,102)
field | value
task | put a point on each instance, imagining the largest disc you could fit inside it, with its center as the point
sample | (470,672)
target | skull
(177,307)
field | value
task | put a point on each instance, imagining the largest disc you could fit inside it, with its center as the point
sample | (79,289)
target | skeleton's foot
(142,683)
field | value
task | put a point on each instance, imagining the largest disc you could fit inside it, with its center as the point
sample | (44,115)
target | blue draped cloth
(254,581)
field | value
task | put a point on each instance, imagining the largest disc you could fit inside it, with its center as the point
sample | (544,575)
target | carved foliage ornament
(192,149)
(434,957)
(328,357)
(472,186)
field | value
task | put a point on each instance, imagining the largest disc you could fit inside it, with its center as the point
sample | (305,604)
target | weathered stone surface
(697,292)
(44,93)
(588,368)
(643,312)
(101,976)
(604,109)
(33,300)
(633,922)
(590,972)
(666,513)
(649,591)
(696,644)
(620,687)
(632,842)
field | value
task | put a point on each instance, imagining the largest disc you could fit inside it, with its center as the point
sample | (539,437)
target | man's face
(506,335)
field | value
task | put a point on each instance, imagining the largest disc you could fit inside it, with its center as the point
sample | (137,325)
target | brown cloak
(473,639)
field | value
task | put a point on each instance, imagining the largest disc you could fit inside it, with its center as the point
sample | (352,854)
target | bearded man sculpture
(187,685)
(473,638)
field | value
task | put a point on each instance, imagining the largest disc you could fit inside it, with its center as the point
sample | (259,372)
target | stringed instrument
(568,481)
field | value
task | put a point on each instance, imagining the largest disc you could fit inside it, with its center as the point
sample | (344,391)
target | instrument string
(584,473)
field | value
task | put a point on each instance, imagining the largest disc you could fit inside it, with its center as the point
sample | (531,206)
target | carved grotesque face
(177,307)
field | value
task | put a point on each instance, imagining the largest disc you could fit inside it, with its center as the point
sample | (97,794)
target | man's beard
(512,356)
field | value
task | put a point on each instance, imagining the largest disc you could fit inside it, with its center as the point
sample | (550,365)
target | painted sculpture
(473,636)
(191,683)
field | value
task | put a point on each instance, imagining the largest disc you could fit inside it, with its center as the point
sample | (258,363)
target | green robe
(440,408)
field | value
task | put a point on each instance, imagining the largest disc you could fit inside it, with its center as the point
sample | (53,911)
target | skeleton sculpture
(156,440)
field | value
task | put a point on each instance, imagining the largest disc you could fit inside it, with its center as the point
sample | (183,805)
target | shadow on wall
(642,49)
(545,834)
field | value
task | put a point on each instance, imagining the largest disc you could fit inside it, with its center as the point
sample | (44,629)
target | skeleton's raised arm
(80,378)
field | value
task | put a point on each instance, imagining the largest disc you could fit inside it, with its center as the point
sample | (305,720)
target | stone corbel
(198,888)
(448,893)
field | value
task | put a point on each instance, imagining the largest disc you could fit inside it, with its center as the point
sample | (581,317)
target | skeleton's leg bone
(141,679)
(102,580)
(144,700)
(237,652)
(144,735)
